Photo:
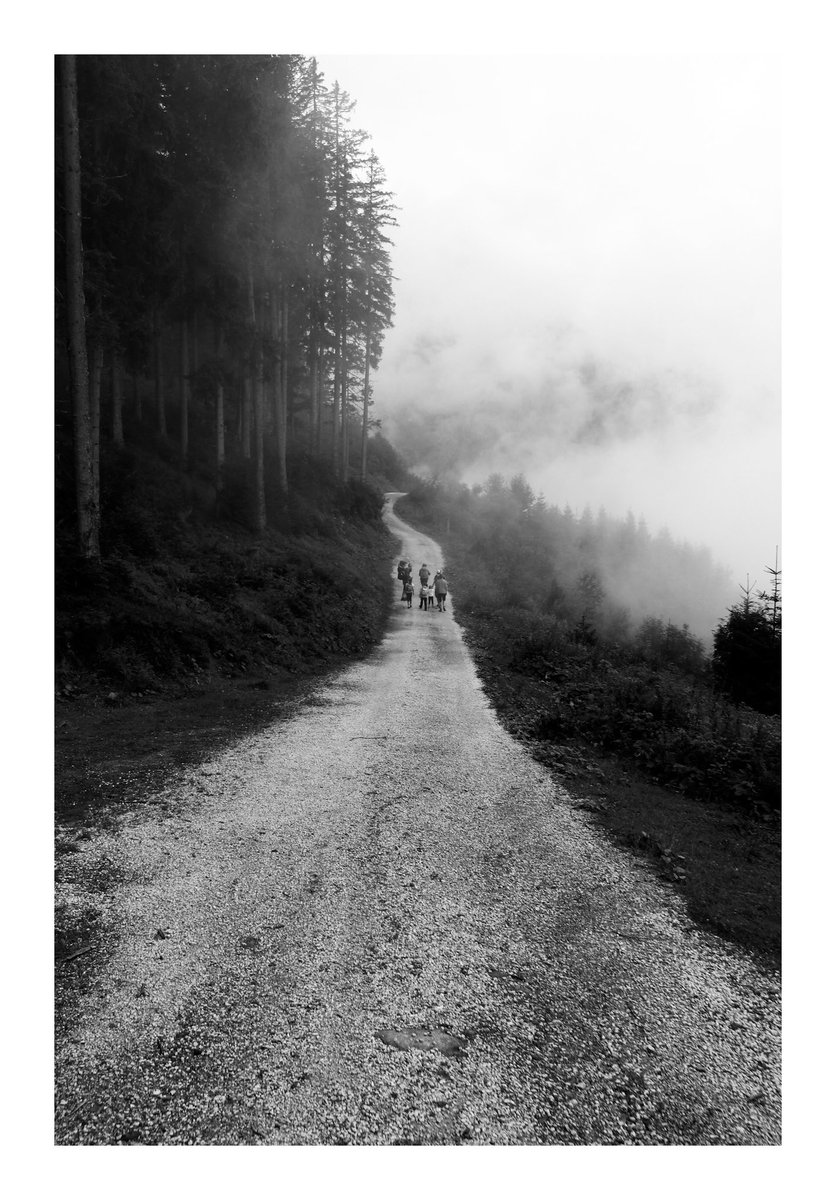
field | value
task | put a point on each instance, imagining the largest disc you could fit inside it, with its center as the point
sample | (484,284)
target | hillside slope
(191,626)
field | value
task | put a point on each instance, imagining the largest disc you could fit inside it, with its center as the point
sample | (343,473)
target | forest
(223,288)
(226,267)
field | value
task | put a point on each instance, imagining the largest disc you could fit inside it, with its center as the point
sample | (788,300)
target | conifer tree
(86,482)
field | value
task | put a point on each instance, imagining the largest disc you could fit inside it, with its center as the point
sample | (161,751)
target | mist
(588,281)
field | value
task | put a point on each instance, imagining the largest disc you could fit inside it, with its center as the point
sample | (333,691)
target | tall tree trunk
(117,390)
(247,413)
(185,390)
(344,407)
(314,393)
(159,390)
(364,442)
(320,404)
(284,374)
(258,414)
(194,356)
(335,446)
(260,513)
(278,312)
(137,394)
(339,311)
(343,429)
(220,446)
(96,373)
(86,490)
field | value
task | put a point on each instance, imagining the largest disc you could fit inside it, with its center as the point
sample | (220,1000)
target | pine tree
(236,255)
(377,303)
(86,480)
(747,650)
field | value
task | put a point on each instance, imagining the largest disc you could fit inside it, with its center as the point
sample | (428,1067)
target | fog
(588,281)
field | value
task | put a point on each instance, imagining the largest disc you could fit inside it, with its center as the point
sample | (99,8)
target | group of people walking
(430,594)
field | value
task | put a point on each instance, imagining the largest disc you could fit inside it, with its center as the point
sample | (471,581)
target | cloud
(589,279)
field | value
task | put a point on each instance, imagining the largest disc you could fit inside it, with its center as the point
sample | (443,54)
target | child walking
(408,589)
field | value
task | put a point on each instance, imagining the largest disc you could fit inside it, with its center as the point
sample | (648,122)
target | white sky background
(625,207)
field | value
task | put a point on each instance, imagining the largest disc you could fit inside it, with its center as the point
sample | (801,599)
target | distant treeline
(223,269)
(537,589)
(609,574)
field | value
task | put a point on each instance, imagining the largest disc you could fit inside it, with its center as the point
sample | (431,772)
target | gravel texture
(383,923)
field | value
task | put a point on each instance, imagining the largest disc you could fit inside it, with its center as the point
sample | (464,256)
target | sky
(574,218)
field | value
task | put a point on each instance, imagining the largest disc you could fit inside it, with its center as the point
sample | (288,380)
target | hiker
(440,585)
(407,579)
(401,568)
(408,589)
(425,595)
(424,573)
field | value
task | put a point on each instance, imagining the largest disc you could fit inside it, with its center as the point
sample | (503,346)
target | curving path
(382,922)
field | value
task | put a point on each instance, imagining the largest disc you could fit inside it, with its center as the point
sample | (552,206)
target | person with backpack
(440,585)
(406,577)
(408,589)
(425,597)
(424,574)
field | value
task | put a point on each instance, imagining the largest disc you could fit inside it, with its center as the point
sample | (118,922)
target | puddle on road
(420,1038)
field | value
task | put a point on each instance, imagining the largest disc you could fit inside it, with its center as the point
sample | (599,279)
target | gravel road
(382,922)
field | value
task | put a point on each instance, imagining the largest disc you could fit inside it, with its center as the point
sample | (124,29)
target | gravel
(382,922)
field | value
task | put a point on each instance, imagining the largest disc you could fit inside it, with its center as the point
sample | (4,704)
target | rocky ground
(381,921)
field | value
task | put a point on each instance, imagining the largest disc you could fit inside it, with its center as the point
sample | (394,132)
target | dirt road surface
(382,922)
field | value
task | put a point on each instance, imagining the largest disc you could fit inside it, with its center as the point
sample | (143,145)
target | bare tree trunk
(258,407)
(239,411)
(364,443)
(86,480)
(335,446)
(247,414)
(279,404)
(314,385)
(96,373)
(283,377)
(194,357)
(320,402)
(159,391)
(117,386)
(220,446)
(185,391)
(344,405)
(260,514)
